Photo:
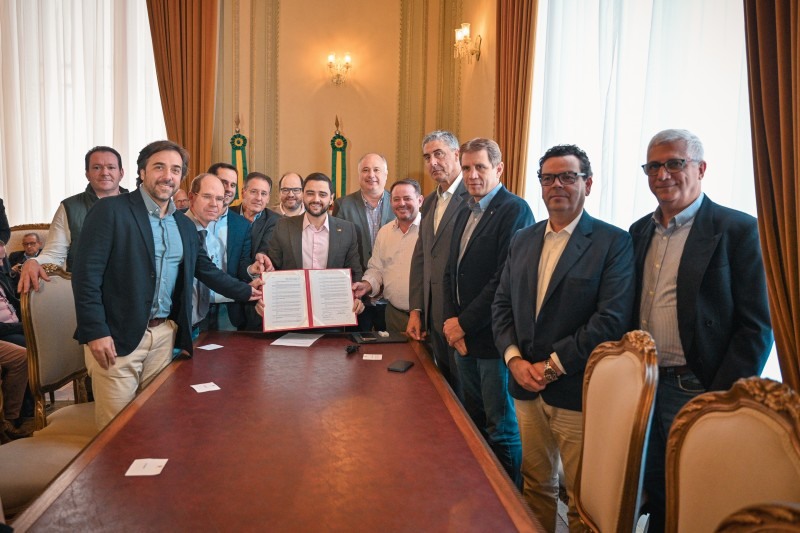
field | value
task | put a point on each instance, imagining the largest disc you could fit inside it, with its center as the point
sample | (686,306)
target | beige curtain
(185,48)
(773,58)
(516,32)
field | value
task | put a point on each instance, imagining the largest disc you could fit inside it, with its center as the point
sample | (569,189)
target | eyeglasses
(672,166)
(293,190)
(566,178)
(34,243)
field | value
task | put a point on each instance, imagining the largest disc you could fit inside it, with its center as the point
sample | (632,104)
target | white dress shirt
(390,263)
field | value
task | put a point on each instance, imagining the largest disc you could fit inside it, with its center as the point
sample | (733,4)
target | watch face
(550,374)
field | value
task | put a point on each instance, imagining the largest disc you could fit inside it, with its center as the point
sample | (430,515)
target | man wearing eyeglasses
(700,292)
(566,287)
(291,200)
(31,245)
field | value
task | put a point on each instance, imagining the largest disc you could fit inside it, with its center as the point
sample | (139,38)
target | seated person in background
(5,229)
(10,326)
(13,380)
(316,240)
(390,263)
(181,200)
(104,172)
(290,187)
(32,245)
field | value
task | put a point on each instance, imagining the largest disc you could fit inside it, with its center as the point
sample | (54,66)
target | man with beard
(390,263)
(133,278)
(316,240)
(290,187)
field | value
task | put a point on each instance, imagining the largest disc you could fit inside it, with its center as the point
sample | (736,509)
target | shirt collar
(415,222)
(307,222)
(682,218)
(481,205)
(193,218)
(570,228)
(452,189)
(152,207)
(368,205)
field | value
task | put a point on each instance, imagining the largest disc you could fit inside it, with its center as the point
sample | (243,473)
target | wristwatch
(550,374)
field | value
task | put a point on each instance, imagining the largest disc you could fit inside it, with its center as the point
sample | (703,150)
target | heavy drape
(773,73)
(185,48)
(516,30)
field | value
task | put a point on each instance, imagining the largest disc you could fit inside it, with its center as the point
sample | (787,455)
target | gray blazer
(286,245)
(351,208)
(430,257)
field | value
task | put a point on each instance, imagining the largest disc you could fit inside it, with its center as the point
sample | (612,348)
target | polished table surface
(297,439)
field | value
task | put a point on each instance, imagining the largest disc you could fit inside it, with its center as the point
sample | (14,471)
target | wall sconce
(462,49)
(338,68)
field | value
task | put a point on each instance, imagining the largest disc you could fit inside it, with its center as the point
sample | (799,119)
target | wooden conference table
(297,439)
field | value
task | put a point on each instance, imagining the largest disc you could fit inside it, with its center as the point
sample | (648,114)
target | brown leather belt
(154,323)
(675,370)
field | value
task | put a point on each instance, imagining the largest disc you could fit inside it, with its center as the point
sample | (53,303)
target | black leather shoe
(14,433)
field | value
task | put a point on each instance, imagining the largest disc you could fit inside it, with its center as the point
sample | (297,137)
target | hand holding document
(303,299)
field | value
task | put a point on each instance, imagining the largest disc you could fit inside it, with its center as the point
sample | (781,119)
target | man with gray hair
(369,208)
(440,151)
(700,292)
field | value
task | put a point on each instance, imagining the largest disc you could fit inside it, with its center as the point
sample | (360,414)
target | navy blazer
(588,301)
(723,312)
(476,277)
(351,208)
(261,232)
(114,275)
(238,257)
(286,245)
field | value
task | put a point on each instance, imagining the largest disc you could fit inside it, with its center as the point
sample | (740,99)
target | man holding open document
(315,241)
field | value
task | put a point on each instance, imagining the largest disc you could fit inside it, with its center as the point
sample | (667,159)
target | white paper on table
(206,387)
(146,467)
(284,295)
(210,347)
(331,297)
(303,340)
(373,356)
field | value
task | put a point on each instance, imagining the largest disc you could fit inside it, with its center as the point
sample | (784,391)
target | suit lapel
(335,240)
(486,218)
(452,208)
(577,245)
(537,242)
(701,243)
(297,239)
(140,215)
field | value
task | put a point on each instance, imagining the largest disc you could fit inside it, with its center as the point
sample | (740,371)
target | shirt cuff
(557,362)
(511,352)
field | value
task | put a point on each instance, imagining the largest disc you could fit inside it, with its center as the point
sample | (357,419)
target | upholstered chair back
(618,391)
(728,450)
(54,357)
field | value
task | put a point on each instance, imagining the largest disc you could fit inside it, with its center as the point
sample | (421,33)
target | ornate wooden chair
(775,517)
(728,450)
(54,357)
(618,392)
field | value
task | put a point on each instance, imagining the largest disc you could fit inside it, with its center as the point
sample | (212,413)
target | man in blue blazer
(316,240)
(232,233)
(478,251)
(567,286)
(132,280)
(700,292)
(369,208)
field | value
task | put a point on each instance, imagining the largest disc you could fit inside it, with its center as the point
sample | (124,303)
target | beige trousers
(115,388)
(549,433)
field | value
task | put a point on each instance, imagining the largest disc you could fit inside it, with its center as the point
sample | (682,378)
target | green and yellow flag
(239,160)
(339,162)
